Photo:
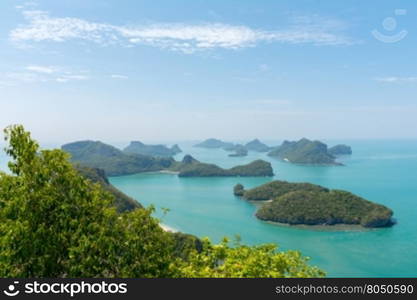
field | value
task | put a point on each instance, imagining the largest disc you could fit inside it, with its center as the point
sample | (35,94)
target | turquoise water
(381,171)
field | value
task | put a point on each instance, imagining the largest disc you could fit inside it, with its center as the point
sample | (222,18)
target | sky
(178,70)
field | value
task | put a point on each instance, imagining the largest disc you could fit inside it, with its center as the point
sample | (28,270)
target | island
(340,150)
(309,204)
(257,145)
(276,189)
(190,167)
(137,147)
(304,151)
(239,151)
(214,144)
(114,162)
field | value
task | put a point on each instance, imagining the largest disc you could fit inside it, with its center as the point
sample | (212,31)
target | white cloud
(396,79)
(37,73)
(41,69)
(68,77)
(26,5)
(186,38)
(118,76)
(26,77)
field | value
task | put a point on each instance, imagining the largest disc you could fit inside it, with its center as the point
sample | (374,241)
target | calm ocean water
(381,171)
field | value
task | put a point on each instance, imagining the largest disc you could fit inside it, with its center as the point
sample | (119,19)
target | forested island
(214,144)
(190,167)
(304,151)
(114,162)
(309,204)
(238,149)
(137,147)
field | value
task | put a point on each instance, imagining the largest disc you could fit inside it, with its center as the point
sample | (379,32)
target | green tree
(240,261)
(56,223)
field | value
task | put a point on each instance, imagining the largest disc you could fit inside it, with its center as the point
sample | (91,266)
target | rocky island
(137,147)
(309,204)
(239,151)
(214,144)
(304,151)
(340,150)
(190,167)
(257,145)
(114,162)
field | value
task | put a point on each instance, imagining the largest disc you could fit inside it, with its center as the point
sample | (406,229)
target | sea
(383,171)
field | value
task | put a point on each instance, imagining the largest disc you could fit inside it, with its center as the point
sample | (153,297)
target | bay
(381,171)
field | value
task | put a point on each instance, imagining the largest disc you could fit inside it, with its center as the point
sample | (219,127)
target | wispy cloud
(186,38)
(118,76)
(27,5)
(42,69)
(38,73)
(69,77)
(394,79)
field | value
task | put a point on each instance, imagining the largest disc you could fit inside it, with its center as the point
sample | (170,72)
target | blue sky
(188,70)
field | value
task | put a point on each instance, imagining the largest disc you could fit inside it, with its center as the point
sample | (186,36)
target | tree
(240,261)
(56,223)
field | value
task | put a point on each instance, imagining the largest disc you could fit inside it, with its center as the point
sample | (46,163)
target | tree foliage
(56,223)
(121,200)
(240,261)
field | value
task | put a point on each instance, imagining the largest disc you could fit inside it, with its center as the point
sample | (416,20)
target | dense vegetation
(112,160)
(56,223)
(122,201)
(257,145)
(305,203)
(277,188)
(329,208)
(340,150)
(191,167)
(304,152)
(137,147)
